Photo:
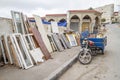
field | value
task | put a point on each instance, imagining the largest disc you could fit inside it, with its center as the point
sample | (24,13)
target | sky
(43,7)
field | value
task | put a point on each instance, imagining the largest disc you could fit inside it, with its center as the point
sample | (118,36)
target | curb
(57,73)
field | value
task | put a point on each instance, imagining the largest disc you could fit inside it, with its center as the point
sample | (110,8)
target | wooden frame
(3,52)
(29,41)
(5,41)
(62,41)
(57,42)
(15,52)
(53,45)
(26,24)
(22,50)
(35,53)
(71,39)
(18,22)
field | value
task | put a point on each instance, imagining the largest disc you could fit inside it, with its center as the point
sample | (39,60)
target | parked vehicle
(91,47)
(85,55)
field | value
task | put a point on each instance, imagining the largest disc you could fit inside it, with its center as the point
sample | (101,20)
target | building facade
(107,12)
(78,20)
(81,20)
(115,18)
(56,17)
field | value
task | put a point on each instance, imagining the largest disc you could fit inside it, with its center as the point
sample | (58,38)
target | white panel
(23,53)
(54,27)
(43,32)
(8,49)
(3,52)
(37,55)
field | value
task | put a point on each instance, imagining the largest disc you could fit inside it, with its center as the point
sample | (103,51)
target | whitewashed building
(107,12)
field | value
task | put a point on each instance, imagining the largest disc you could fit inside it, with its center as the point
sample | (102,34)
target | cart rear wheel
(85,58)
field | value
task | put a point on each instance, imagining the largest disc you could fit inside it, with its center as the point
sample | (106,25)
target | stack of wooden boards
(31,44)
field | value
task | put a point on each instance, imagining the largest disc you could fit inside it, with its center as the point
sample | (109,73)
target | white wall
(107,11)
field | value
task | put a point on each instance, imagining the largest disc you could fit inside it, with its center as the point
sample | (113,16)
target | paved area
(103,67)
(40,71)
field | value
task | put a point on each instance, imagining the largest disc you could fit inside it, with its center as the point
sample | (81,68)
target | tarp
(85,34)
(46,22)
(64,24)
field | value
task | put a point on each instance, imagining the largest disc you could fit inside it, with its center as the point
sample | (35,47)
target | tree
(90,8)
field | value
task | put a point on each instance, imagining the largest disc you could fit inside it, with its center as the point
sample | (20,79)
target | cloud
(42,7)
(43,12)
(29,4)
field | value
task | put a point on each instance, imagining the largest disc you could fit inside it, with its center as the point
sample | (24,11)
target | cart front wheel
(85,58)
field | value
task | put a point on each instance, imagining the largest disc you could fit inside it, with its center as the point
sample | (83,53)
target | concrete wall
(81,15)
(107,11)
(6,26)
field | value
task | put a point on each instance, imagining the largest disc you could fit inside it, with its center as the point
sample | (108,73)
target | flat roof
(56,14)
(83,11)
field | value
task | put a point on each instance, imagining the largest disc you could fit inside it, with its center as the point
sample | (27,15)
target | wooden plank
(43,33)
(40,42)
(15,58)
(57,42)
(4,49)
(77,40)
(77,37)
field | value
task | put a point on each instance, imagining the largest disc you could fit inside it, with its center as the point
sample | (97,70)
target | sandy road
(103,67)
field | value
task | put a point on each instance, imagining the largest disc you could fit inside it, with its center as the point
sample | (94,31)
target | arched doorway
(51,20)
(62,20)
(86,23)
(97,25)
(74,23)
